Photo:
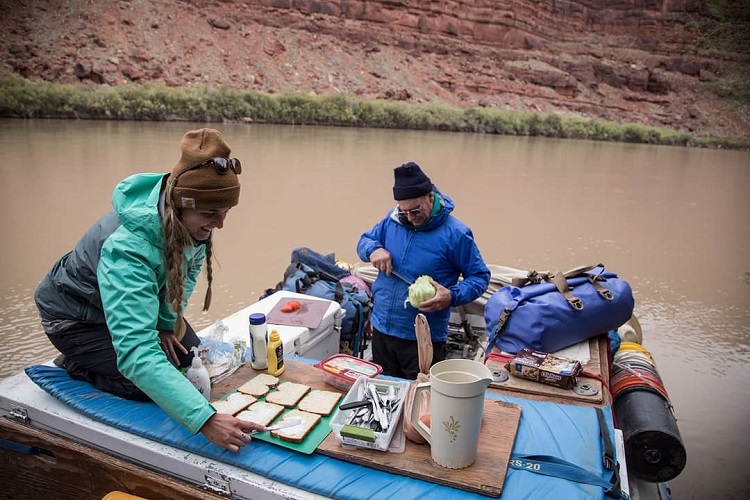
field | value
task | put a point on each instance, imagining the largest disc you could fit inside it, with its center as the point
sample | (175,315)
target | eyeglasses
(222,165)
(413,212)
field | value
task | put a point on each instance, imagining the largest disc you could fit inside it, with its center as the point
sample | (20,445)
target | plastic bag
(424,409)
(221,358)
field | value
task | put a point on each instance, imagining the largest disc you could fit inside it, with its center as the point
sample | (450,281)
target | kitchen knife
(292,422)
(355,404)
(401,278)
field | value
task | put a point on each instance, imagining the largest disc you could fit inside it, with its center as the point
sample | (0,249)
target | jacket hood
(447,207)
(136,203)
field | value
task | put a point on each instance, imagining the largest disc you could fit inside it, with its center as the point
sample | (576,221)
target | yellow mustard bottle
(275,354)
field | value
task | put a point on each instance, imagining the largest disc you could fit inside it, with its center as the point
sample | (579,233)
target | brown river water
(671,221)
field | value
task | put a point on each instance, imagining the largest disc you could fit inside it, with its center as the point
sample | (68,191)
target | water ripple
(694,332)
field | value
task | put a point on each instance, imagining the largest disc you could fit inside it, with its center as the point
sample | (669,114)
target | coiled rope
(633,367)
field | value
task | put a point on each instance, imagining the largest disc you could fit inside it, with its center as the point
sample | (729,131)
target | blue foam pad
(566,431)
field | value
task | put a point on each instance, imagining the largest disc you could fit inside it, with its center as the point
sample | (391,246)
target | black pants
(400,357)
(90,356)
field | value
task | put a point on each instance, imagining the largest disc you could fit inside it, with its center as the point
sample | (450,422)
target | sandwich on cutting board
(297,433)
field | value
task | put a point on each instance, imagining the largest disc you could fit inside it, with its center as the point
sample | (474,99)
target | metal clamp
(217,483)
(585,389)
(19,413)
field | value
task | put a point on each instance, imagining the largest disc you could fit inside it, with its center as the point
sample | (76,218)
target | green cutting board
(309,444)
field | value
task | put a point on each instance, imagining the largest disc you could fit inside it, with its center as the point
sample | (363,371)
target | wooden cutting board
(486,476)
(597,356)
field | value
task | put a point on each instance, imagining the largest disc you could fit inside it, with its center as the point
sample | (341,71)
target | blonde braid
(209,275)
(176,237)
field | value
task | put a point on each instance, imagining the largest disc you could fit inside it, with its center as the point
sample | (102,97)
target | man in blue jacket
(418,237)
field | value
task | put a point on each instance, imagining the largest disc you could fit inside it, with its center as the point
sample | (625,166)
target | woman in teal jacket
(113,306)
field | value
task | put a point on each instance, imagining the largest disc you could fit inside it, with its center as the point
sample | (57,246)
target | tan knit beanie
(204,187)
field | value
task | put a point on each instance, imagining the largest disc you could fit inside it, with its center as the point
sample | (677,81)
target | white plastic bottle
(198,375)
(258,341)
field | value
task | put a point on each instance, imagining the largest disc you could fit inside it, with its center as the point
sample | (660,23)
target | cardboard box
(545,368)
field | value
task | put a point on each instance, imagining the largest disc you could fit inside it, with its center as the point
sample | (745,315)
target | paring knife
(292,422)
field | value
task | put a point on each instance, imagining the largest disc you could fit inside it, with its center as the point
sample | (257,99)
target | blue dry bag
(548,312)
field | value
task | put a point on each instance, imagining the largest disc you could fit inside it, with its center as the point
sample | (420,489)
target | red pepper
(290,306)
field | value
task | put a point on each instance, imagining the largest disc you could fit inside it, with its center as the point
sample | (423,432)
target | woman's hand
(441,300)
(169,344)
(229,432)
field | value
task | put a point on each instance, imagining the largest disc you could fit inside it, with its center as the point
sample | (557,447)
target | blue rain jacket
(443,248)
(116,275)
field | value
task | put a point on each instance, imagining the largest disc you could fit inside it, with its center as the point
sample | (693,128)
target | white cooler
(299,341)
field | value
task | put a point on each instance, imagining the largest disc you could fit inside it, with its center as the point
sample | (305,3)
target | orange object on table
(290,306)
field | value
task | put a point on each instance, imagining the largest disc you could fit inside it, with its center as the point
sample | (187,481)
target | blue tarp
(565,431)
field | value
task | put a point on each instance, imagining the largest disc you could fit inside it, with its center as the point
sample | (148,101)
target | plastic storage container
(382,439)
(342,370)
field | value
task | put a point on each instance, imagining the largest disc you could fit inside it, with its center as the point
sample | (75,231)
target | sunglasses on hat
(222,165)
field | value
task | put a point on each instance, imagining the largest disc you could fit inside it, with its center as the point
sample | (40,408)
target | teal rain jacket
(443,248)
(116,274)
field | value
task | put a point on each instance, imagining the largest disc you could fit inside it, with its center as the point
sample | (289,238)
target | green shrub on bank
(21,98)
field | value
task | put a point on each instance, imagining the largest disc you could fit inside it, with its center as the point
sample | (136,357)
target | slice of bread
(266,379)
(234,403)
(254,388)
(261,413)
(288,394)
(320,402)
(297,433)
(259,385)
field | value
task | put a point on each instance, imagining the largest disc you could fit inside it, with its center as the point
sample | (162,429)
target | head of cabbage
(419,291)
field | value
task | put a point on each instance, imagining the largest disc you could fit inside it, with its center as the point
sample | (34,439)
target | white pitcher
(457,388)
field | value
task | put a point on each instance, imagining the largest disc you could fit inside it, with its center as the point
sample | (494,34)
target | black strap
(608,458)
(339,293)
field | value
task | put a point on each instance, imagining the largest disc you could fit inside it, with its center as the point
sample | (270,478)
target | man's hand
(169,344)
(381,259)
(228,431)
(441,300)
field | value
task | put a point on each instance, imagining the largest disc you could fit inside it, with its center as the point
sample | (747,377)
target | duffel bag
(550,311)
(330,282)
